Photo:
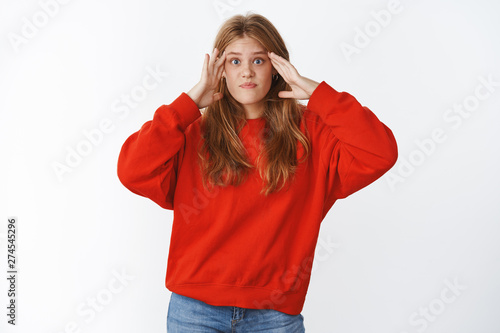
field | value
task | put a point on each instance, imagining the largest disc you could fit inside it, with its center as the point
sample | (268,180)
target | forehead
(245,45)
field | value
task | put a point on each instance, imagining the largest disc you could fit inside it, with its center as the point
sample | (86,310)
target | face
(247,62)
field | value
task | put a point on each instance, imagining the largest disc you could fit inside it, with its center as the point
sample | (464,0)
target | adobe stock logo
(296,275)
(90,309)
(39,20)
(373,28)
(223,6)
(425,315)
(199,202)
(454,116)
(94,137)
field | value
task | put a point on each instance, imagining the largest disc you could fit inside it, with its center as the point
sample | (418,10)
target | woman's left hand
(302,87)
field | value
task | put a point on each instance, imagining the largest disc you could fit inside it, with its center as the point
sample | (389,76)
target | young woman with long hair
(250,173)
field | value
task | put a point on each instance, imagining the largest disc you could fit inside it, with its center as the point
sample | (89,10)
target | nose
(246,70)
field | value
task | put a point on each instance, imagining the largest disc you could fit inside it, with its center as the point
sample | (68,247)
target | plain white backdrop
(416,251)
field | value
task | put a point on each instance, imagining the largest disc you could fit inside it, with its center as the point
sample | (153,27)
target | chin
(248,101)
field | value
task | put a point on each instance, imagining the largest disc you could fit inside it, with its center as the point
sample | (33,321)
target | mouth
(248,85)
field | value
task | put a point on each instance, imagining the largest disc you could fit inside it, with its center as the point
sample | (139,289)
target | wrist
(194,97)
(311,86)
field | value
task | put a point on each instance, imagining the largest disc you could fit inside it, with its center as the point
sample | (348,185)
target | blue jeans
(187,314)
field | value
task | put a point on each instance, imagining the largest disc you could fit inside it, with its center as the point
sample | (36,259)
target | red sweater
(233,246)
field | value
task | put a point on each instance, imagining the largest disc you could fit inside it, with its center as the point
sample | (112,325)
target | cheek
(266,75)
(267,70)
(231,76)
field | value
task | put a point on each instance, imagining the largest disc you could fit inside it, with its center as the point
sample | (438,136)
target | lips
(248,85)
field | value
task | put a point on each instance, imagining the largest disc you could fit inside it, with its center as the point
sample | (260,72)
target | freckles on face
(247,62)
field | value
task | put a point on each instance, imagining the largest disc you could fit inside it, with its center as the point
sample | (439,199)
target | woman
(250,180)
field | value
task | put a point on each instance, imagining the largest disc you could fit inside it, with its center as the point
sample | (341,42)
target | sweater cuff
(186,110)
(323,92)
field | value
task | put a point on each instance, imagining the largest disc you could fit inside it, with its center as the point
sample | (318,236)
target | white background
(386,254)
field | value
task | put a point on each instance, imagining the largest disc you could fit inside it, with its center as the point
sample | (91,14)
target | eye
(261,61)
(232,61)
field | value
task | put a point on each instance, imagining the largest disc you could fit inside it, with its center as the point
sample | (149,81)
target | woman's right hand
(203,93)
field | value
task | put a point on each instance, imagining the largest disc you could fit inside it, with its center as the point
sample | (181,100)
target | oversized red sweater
(234,246)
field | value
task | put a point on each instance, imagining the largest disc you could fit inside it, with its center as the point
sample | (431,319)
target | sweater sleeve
(149,159)
(356,148)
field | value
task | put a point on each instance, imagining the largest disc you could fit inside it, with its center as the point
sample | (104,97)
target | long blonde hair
(222,156)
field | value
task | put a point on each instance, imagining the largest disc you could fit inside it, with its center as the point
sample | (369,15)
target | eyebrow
(238,53)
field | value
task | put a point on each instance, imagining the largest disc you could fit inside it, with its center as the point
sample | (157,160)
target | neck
(254,111)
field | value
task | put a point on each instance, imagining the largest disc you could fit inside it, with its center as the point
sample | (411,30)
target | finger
(220,65)
(212,60)
(275,64)
(281,70)
(274,58)
(223,56)
(218,96)
(204,70)
(285,64)
(287,71)
(279,59)
(220,61)
(278,64)
(286,94)
(220,70)
(215,54)
(278,67)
